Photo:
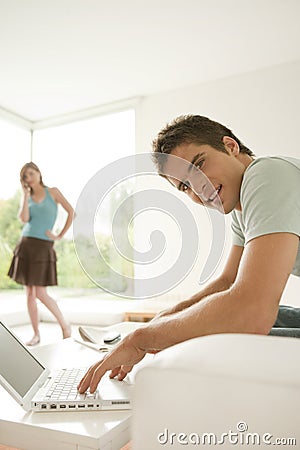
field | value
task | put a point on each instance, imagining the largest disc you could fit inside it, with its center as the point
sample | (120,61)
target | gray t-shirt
(270,201)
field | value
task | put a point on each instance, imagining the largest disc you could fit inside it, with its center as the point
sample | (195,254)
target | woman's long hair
(33,166)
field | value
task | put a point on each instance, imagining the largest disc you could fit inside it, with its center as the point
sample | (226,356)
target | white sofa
(247,386)
(76,310)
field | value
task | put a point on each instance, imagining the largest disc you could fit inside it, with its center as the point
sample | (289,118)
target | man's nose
(200,185)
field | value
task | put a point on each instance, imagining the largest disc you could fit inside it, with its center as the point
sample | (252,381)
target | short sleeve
(237,234)
(270,198)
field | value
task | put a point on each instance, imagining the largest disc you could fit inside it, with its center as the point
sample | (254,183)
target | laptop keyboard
(65,385)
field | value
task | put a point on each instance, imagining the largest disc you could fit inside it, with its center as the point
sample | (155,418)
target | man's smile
(214,195)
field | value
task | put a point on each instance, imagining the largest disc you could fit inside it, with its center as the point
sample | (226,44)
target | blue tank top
(42,217)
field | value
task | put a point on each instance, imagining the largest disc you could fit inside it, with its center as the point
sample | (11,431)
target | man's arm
(220,284)
(249,306)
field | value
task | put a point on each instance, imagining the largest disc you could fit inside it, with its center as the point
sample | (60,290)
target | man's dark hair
(191,129)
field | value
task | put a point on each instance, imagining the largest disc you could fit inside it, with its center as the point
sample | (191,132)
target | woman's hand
(120,361)
(54,237)
(26,189)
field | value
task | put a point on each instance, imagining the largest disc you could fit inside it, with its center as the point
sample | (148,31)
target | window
(68,156)
(15,151)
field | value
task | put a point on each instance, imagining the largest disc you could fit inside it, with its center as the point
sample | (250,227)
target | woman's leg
(50,303)
(33,314)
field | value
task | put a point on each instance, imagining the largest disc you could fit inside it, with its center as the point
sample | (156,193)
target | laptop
(35,388)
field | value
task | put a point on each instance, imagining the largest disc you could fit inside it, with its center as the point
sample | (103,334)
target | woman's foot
(34,341)
(67,332)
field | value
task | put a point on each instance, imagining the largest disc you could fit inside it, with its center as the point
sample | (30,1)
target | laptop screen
(17,365)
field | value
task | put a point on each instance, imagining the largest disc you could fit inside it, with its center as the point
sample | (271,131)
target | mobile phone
(111,337)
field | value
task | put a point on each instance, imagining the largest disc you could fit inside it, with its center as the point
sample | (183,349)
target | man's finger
(85,381)
(123,372)
(97,375)
(114,372)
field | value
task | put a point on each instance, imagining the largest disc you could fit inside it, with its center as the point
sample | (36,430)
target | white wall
(262,109)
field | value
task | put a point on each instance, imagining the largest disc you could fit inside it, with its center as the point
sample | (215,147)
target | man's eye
(199,164)
(185,187)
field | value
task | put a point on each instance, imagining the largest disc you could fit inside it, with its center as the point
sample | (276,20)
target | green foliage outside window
(10,230)
(70,272)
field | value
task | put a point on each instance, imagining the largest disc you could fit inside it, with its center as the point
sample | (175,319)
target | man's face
(208,176)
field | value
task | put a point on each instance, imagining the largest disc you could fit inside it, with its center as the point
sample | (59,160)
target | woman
(34,261)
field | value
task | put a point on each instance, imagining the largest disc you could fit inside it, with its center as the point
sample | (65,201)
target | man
(212,166)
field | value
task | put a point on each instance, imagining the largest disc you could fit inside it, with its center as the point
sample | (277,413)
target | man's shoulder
(276,171)
(272,163)
(270,181)
(270,198)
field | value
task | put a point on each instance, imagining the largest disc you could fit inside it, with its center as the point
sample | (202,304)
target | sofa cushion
(216,384)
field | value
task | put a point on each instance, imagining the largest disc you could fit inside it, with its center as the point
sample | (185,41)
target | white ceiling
(60,56)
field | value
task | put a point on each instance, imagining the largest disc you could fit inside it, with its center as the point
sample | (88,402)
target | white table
(86,430)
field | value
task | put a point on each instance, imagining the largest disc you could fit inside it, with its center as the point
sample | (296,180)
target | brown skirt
(34,263)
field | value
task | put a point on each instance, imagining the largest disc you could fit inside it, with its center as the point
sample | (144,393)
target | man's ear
(231,146)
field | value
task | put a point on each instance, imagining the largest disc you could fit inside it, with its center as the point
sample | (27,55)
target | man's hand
(120,361)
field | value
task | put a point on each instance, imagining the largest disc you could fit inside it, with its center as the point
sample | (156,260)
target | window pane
(15,151)
(68,156)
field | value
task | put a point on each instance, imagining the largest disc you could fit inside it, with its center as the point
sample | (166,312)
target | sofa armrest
(226,383)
